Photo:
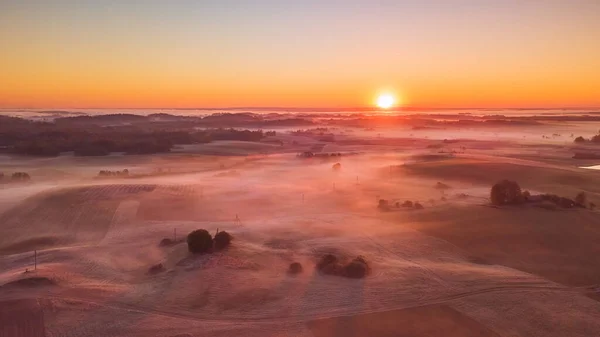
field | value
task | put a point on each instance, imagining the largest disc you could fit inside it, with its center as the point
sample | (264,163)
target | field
(458,267)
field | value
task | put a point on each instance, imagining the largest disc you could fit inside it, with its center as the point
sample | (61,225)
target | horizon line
(304,109)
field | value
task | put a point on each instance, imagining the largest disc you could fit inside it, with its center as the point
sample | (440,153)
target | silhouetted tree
(581,199)
(295,268)
(222,239)
(580,140)
(20,176)
(199,241)
(506,192)
(357,268)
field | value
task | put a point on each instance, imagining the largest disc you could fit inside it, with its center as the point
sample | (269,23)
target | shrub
(295,268)
(166,242)
(580,140)
(337,166)
(155,269)
(21,176)
(581,199)
(526,195)
(328,264)
(566,202)
(357,268)
(408,204)
(383,204)
(222,239)
(441,186)
(417,205)
(199,241)
(506,192)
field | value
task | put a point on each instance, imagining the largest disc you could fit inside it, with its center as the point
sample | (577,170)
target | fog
(86,245)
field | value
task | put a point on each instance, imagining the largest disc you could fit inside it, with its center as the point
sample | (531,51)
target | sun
(385,101)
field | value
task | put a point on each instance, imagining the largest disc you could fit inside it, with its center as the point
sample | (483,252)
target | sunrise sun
(386,101)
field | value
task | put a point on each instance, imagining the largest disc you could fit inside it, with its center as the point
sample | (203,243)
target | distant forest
(101,135)
(157,133)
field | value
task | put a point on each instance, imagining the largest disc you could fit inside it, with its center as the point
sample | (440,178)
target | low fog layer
(81,251)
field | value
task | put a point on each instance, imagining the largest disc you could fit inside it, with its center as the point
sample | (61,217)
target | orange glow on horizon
(203,55)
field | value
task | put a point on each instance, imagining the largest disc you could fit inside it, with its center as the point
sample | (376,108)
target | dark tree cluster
(102,135)
(506,192)
(595,139)
(509,193)
(16,177)
(356,268)
(124,173)
(201,241)
(233,134)
(295,268)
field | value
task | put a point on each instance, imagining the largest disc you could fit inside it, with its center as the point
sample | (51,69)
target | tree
(581,199)
(22,176)
(295,268)
(506,192)
(199,241)
(580,140)
(222,239)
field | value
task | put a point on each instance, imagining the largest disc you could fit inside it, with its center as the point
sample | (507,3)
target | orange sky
(314,54)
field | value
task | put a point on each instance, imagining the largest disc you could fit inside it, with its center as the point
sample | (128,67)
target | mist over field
(355,168)
(88,236)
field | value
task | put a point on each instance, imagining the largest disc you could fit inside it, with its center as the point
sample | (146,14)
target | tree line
(24,137)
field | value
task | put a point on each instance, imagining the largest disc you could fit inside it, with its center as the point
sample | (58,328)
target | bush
(330,265)
(383,204)
(337,166)
(506,192)
(441,186)
(155,269)
(166,242)
(20,176)
(222,239)
(295,268)
(581,199)
(199,241)
(526,195)
(357,268)
(408,204)
(580,140)
(566,202)
(417,205)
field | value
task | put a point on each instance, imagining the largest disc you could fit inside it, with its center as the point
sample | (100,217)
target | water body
(594,167)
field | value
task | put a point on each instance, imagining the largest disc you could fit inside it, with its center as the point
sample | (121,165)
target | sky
(299,53)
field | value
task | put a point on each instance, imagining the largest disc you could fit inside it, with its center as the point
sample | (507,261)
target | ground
(457,268)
